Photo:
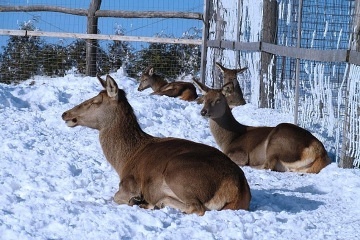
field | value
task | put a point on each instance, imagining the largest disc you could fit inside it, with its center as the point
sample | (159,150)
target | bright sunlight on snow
(55,182)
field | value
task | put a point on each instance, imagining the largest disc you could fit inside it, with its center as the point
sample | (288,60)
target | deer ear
(219,66)
(111,87)
(203,88)
(151,71)
(102,81)
(227,89)
(241,70)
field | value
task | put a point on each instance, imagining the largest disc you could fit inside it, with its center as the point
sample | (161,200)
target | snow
(56,184)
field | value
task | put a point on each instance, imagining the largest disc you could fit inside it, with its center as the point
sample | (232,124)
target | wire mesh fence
(324,85)
(324,100)
(25,56)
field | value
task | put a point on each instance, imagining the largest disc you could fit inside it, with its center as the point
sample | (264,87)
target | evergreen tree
(19,60)
(191,54)
(77,55)
(54,60)
(119,52)
(171,60)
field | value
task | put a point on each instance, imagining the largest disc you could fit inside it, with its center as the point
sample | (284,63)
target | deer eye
(217,101)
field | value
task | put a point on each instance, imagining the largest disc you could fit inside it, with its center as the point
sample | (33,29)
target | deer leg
(270,163)
(129,192)
(240,158)
(195,207)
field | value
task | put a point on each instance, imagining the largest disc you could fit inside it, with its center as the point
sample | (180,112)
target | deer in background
(157,172)
(284,148)
(184,90)
(231,87)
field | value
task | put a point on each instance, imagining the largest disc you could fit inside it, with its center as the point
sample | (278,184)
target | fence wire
(24,57)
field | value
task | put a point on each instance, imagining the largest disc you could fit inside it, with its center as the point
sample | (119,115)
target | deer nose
(64,115)
(203,112)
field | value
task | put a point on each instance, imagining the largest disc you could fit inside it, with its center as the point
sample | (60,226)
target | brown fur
(283,148)
(157,172)
(184,90)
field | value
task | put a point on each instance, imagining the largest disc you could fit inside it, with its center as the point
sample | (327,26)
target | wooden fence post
(91,44)
(346,160)
(269,26)
(205,38)
(219,36)
(239,30)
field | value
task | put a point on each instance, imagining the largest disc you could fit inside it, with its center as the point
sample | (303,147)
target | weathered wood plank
(148,14)
(100,37)
(104,13)
(43,8)
(354,57)
(306,53)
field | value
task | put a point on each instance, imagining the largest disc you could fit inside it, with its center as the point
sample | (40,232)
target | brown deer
(184,90)
(283,148)
(231,87)
(156,172)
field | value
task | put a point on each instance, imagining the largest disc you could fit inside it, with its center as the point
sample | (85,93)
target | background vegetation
(23,57)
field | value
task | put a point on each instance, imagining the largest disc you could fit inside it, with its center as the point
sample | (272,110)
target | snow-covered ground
(56,184)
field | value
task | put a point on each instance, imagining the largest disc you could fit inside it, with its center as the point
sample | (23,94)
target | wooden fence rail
(103,13)
(100,37)
(329,55)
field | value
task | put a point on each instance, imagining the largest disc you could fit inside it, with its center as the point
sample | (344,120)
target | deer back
(285,147)
(184,90)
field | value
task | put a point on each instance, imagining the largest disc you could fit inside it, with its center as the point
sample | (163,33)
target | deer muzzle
(70,122)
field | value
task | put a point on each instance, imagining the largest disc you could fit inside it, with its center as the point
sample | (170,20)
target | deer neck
(157,82)
(122,139)
(225,129)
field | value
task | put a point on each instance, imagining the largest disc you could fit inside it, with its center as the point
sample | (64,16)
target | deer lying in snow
(283,148)
(156,172)
(184,90)
(231,87)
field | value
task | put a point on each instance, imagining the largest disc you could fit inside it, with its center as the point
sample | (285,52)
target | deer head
(92,113)
(146,79)
(229,74)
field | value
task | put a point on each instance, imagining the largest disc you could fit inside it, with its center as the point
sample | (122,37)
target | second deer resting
(184,90)
(283,148)
(156,172)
